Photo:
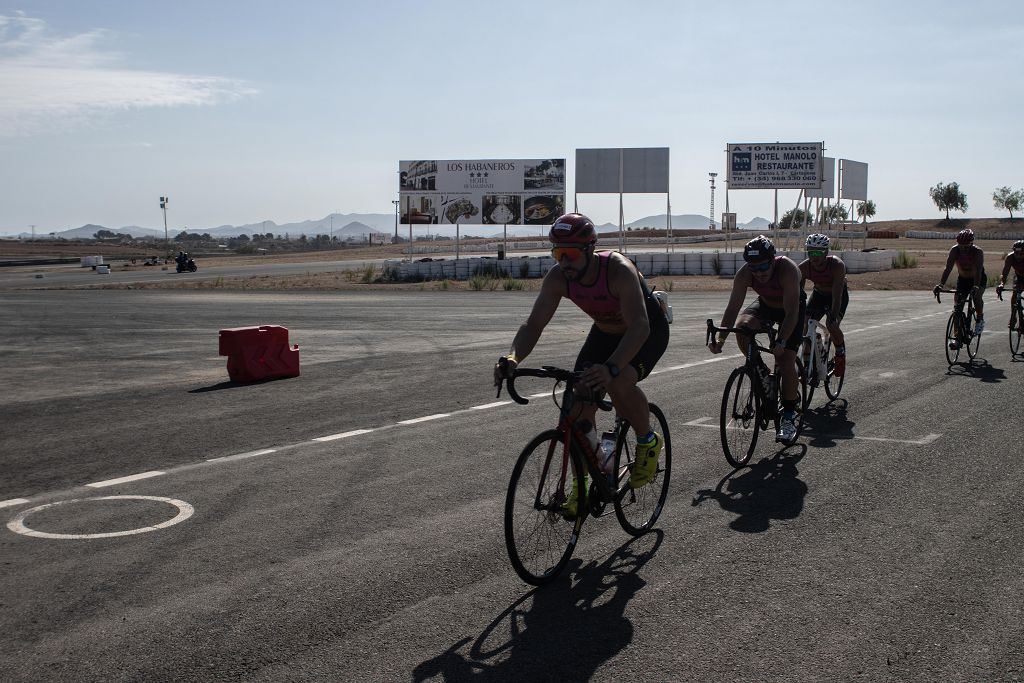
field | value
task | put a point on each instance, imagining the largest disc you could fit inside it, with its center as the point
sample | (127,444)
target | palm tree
(866,210)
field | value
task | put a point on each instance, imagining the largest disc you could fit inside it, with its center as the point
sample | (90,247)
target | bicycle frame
(569,435)
(815,358)
(753,361)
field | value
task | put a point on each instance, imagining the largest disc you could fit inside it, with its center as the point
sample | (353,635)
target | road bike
(1018,331)
(818,361)
(960,328)
(752,400)
(540,535)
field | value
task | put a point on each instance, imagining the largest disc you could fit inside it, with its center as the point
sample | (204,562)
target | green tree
(794,218)
(949,197)
(1008,200)
(104,234)
(866,210)
(834,213)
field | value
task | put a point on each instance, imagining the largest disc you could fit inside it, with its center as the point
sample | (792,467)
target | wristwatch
(613,369)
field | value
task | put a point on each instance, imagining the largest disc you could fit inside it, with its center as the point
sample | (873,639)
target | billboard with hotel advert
(487,191)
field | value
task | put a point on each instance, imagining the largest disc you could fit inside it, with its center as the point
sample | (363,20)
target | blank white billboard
(853,180)
(636,170)
(828,181)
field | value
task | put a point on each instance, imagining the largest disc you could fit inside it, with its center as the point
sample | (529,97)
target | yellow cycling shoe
(571,505)
(646,464)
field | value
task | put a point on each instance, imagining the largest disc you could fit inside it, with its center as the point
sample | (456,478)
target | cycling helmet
(573,228)
(817,241)
(965,236)
(758,249)
(1018,245)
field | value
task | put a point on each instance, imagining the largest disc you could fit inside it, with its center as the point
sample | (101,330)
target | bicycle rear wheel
(809,376)
(1016,333)
(952,340)
(638,509)
(740,419)
(539,539)
(833,384)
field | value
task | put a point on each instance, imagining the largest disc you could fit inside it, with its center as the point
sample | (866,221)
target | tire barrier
(717,263)
(257,353)
(951,235)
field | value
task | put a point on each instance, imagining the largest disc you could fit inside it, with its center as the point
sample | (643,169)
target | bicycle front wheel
(740,419)
(833,384)
(539,537)
(952,341)
(973,340)
(638,509)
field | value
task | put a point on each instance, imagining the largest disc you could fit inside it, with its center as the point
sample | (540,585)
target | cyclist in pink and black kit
(1014,260)
(628,336)
(830,296)
(971,280)
(780,299)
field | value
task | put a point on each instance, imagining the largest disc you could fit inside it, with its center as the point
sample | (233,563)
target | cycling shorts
(820,303)
(769,314)
(964,285)
(599,345)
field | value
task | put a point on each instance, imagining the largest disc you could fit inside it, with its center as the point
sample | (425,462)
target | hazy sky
(251,111)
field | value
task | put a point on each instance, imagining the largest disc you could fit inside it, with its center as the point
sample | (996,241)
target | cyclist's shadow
(829,423)
(979,369)
(562,631)
(767,490)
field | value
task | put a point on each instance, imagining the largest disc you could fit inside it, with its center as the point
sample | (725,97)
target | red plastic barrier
(256,353)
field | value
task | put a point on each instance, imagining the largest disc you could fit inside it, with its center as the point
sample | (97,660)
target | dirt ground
(930,256)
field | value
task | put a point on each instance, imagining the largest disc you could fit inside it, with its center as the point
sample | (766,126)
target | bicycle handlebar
(938,289)
(1000,288)
(744,330)
(548,371)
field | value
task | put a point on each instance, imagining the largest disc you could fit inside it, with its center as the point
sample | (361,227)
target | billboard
(611,171)
(774,166)
(488,191)
(853,180)
(828,181)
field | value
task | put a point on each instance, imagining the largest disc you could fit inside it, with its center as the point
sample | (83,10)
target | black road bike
(960,333)
(540,535)
(1017,331)
(752,400)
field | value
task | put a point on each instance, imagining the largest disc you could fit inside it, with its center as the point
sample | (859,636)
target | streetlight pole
(712,200)
(33,232)
(167,240)
(396,202)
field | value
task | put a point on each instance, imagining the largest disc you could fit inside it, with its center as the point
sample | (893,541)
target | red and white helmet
(573,228)
(965,236)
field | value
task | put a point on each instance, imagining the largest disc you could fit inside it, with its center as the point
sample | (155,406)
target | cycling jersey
(966,262)
(771,289)
(596,300)
(825,278)
(1018,267)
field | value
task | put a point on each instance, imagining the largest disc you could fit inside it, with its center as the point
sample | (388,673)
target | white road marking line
(125,480)
(343,435)
(13,501)
(540,395)
(694,364)
(490,405)
(425,418)
(242,456)
(923,441)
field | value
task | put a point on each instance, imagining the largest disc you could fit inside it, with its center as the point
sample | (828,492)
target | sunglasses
(817,252)
(760,267)
(571,253)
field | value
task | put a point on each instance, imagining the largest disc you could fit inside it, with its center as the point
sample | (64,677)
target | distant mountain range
(357,224)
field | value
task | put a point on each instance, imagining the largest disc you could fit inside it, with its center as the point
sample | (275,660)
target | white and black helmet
(758,249)
(817,241)
(1018,245)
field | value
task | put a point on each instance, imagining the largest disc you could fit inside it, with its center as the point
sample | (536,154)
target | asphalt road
(886,546)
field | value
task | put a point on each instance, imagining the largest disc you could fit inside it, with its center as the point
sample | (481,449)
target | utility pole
(167,240)
(396,202)
(33,232)
(712,227)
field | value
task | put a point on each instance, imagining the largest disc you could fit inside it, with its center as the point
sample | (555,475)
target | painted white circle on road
(17,525)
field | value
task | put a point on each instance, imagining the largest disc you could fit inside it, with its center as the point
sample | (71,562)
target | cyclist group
(630,330)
